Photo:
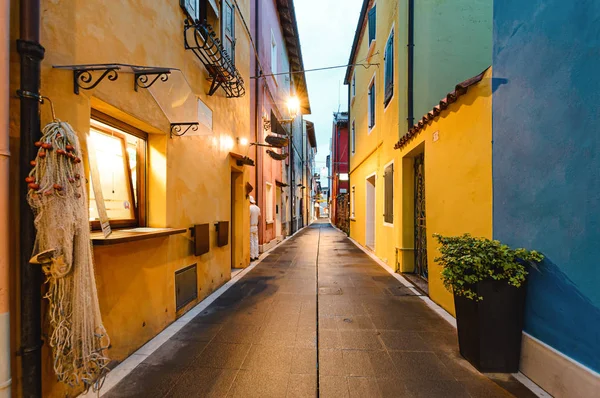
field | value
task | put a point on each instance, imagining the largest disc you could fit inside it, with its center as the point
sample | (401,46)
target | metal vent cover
(186,286)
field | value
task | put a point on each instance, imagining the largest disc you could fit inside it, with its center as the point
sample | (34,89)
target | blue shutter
(372,24)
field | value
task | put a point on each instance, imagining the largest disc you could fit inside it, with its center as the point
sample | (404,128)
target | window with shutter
(388,177)
(372,104)
(389,70)
(228,29)
(353,200)
(191,8)
(353,137)
(372,24)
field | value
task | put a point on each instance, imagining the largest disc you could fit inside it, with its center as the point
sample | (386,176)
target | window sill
(132,234)
(270,222)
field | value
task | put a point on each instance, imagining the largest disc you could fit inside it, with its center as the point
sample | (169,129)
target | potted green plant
(488,280)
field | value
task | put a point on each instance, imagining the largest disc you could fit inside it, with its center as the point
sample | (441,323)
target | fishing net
(58,196)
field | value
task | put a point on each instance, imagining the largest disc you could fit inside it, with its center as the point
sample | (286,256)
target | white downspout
(5,379)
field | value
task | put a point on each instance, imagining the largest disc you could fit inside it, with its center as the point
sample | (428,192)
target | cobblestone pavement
(259,339)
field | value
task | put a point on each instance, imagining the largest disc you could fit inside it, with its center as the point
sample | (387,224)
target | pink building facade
(275,36)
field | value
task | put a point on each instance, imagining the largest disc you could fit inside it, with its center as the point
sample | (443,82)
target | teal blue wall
(453,42)
(546,162)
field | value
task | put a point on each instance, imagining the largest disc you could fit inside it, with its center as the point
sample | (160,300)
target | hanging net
(58,196)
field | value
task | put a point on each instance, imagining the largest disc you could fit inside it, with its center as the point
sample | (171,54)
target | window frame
(373,10)
(353,136)
(372,105)
(224,24)
(353,89)
(386,73)
(140,204)
(269,218)
(353,202)
(274,55)
(191,9)
(386,219)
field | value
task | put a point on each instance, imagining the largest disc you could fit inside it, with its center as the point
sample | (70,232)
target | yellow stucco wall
(458,172)
(374,148)
(189,178)
(458,179)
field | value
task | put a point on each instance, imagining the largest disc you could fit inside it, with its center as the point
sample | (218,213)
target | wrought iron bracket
(179,129)
(265,145)
(84,78)
(147,79)
(88,76)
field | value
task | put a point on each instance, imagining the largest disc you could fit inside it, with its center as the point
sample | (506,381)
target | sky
(326,33)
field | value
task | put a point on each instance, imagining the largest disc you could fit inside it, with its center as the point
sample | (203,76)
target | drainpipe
(411,54)
(32,54)
(5,380)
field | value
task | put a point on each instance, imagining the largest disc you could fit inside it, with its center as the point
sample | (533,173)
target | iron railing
(202,40)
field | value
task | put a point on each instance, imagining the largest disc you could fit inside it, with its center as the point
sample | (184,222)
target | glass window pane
(116,157)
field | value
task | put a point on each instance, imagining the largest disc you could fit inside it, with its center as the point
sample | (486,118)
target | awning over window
(241,160)
(185,111)
(182,106)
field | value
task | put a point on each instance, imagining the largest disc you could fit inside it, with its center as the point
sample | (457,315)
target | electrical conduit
(5,379)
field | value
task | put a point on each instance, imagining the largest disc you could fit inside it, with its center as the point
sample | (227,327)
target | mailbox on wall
(201,236)
(222,233)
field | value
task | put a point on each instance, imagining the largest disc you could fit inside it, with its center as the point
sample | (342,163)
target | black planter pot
(489,331)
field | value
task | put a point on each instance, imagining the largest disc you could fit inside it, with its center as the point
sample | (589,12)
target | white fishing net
(58,197)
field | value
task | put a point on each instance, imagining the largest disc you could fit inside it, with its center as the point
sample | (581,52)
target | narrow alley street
(375,337)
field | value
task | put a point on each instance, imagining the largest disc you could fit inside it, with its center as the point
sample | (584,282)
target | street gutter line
(527,382)
(132,361)
(317,312)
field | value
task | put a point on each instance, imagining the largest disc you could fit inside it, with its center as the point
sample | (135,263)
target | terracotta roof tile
(460,90)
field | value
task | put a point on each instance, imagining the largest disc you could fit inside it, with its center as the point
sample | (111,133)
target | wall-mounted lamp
(242,141)
(293,105)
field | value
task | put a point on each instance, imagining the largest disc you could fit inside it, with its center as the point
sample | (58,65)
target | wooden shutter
(388,177)
(228,28)
(372,24)
(191,8)
(389,69)
(372,105)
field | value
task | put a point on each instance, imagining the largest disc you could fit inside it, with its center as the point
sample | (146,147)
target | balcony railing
(202,40)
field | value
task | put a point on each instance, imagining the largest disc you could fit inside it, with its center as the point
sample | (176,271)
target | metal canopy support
(142,79)
(89,76)
(179,129)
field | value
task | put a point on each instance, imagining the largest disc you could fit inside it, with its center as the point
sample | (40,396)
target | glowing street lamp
(293,105)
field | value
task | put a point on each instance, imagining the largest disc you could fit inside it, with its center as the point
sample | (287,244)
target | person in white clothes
(254,214)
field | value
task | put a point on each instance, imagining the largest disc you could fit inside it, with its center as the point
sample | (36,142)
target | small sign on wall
(436,135)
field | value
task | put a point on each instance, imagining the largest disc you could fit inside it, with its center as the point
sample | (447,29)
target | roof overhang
(459,90)
(289,25)
(359,28)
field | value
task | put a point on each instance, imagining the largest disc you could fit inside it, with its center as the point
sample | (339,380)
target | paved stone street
(259,339)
